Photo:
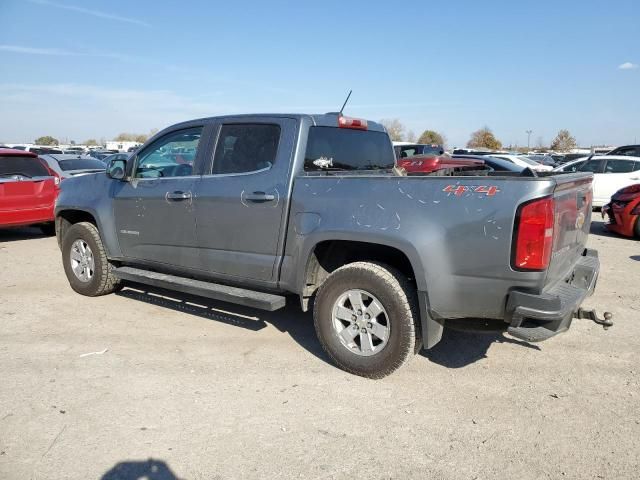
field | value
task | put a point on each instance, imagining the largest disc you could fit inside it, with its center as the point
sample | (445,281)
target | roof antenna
(345,102)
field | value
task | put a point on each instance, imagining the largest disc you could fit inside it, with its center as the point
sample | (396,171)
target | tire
(371,282)
(636,228)
(99,278)
(48,228)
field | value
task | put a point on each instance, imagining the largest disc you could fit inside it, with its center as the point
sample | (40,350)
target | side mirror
(116,169)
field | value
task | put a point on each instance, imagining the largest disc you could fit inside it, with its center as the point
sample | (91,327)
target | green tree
(563,141)
(431,136)
(484,138)
(46,140)
(395,129)
(91,142)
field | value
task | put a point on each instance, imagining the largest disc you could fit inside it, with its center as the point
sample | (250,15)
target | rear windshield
(26,166)
(81,164)
(331,149)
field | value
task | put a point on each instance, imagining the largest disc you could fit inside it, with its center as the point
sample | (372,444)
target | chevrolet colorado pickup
(249,209)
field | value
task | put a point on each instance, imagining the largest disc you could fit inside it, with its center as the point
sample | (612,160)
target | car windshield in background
(331,148)
(432,150)
(26,166)
(81,164)
(529,161)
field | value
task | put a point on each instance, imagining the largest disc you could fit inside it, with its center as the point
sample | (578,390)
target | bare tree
(395,129)
(410,136)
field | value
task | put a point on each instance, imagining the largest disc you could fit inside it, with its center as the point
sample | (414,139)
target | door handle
(259,197)
(178,195)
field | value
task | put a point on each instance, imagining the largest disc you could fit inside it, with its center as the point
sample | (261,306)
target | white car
(524,162)
(610,174)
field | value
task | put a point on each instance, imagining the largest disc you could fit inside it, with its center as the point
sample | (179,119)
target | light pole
(528,132)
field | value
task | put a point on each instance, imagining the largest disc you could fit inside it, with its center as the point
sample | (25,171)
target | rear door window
(246,148)
(619,166)
(331,148)
(25,166)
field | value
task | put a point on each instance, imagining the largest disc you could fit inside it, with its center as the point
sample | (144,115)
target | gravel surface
(162,386)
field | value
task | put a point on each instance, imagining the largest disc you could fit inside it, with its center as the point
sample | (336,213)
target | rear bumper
(538,317)
(16,218)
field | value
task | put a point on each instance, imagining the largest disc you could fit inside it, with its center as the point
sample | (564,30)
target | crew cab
(312,206)
(28,191)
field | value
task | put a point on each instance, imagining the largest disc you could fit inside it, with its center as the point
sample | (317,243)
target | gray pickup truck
(249,209)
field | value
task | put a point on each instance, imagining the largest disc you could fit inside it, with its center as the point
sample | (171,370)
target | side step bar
(240,296)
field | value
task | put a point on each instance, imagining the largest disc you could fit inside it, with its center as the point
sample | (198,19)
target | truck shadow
(457,349)
(291,319)
(137,470)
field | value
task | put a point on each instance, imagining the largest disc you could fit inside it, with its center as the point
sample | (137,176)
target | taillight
(354,123)
(533,238)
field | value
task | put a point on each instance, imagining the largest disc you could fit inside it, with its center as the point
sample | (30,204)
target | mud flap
(430,328)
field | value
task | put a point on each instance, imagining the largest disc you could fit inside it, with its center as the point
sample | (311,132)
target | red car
(429,163)
(28,191)
(623,211)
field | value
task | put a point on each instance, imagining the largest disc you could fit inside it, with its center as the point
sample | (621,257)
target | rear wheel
(636,229)
(85,261)
(365,315)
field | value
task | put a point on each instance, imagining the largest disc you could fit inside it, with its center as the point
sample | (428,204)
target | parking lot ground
(169,386)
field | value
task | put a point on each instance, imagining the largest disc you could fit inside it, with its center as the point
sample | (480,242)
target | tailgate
(37,192)
(572,197)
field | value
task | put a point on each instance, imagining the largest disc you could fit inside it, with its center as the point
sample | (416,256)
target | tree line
(122,137)
(482,138)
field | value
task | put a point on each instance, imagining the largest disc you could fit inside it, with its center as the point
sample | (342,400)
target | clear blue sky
(79,69)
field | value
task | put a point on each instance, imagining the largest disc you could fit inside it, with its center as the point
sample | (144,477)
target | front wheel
(365,315)
(85,261)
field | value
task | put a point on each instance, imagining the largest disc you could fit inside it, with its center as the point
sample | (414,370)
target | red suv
(28,191)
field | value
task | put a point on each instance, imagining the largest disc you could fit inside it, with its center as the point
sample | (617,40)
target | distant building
(121,146)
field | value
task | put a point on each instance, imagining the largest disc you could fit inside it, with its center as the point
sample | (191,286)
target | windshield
(81,164)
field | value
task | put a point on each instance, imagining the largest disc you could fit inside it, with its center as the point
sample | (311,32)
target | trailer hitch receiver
(591,314)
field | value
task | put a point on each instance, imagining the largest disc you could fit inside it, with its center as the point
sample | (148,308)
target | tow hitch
(606,322)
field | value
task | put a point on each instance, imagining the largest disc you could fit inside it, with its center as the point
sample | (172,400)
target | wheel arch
(68,217)
(328,254)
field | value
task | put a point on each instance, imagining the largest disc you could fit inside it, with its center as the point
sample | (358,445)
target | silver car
(67,166)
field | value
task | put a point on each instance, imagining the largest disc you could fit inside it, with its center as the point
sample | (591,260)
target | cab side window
(245,148)
(172,155)
(619,166)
